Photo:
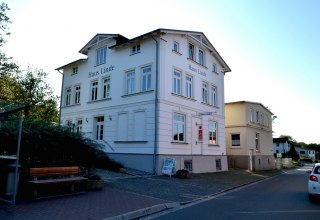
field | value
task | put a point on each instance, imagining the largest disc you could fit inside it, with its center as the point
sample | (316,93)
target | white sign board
(168,166)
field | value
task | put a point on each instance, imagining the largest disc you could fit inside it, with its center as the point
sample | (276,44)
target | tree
(293,153)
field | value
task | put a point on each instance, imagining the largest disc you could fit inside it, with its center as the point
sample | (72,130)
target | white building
(281,145)
(159,95)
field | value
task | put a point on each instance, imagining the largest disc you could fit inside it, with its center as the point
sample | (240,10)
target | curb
(145,211)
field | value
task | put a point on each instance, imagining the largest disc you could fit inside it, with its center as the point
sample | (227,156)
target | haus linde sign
(101,71)
(197,70)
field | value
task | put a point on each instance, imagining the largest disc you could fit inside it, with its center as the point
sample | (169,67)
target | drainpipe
(156,111)
(60,97)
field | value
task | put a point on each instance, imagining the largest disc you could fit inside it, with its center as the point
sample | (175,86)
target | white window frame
(235,143)
(101,56)
(69,125)
(68,96)
(204,92)
(146,84)
(201,57)
(214,95)
(178,124)
(106,87)
(130,82)
(257,141)
(251,115)
(99,131)
(94,90)
(177,82)
(191,51)
(214,68)
(213,132)
(135,49)
(176,46)
(77,94)
(79,125)
(75,70)
(189,86)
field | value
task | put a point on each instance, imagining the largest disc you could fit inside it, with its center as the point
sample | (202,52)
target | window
(106,88)
(218,164)
(189,87)
(257,116)
(69,125)
(122,126)
(139,125)
(101,56)
(191,51)
(136,49)
(99,128)
(257,142)
(235,140)
(77,94)
(130,75)
(201,57)
(214,95)
(75,70)
(251,115)
(178,127)
(177,82)
(94,90)
(176,46)
(188,165)
(79,126)
(214,67)
(146,78)
(68,96)
(212,132)
(205,92)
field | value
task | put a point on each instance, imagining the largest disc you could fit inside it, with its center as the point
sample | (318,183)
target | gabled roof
(280,140)
(101,37)
(248,102)
(72,63)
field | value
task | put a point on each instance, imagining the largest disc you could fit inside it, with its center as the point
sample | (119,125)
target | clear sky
(272,46)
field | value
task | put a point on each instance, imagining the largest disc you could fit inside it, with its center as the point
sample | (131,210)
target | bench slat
(58,180)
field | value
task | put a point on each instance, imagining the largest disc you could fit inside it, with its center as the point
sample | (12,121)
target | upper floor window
(188,86)
(106,87)
(257,141)
(146,78)
(130,82)
(94,90)
(251,115)
(77,94)
(101,56)
(214,95)
(75,70)
(214,68)
(178,127)
(205,92)
(176,46)
(201,57)
(212,132)
(135,49)
(68,96)
(191,51)
(177,82)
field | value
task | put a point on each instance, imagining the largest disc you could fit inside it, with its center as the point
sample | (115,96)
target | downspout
(156,105)
(60,96)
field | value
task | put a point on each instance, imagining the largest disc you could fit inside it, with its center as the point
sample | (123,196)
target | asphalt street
(281,197)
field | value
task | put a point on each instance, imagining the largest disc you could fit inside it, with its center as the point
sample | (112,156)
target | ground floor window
(212,132)
(99,128)
(218,164)
(178,127)
(235,140)
(188,165)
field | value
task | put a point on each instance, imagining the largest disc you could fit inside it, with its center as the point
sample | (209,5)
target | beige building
(249,136)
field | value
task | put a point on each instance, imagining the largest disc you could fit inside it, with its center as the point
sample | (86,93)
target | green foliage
(293,154)
(47,144)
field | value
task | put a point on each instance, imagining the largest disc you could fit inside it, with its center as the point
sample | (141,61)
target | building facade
(159,95)
(281,145)
(249,136)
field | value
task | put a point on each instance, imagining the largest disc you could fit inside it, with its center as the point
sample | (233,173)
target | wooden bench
(55,175)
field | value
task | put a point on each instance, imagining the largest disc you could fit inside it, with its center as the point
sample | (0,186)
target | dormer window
(191,51)
(136,49)
(201,57)
(101,56)
(176,46)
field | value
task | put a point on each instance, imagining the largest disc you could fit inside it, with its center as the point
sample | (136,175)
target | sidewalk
(129,195)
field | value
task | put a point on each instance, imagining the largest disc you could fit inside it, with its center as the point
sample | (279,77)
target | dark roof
(11,108)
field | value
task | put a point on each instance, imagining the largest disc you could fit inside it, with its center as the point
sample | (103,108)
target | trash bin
(11,168)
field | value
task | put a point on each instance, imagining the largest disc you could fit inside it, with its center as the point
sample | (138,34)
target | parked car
(305,161)
(314,182)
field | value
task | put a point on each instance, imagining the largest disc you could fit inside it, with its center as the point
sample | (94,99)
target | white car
(314,182)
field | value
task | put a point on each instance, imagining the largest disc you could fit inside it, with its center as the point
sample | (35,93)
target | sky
(271,46)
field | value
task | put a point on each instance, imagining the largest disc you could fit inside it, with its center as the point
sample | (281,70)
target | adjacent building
(281,145)
(249,136)
(156,96)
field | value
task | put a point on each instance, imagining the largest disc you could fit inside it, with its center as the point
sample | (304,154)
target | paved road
(281,197)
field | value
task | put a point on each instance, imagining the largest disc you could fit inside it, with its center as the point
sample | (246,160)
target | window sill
(184,97)
(130,142)
(99,100)
(235,147)
(213,145)
(181,143)
(137,93)
(177,52)
(68,106)
(197,63)
(134,53)
(215,72)
(99,64)
(214,106)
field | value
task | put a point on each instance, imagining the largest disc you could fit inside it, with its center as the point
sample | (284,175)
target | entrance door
(197,135)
